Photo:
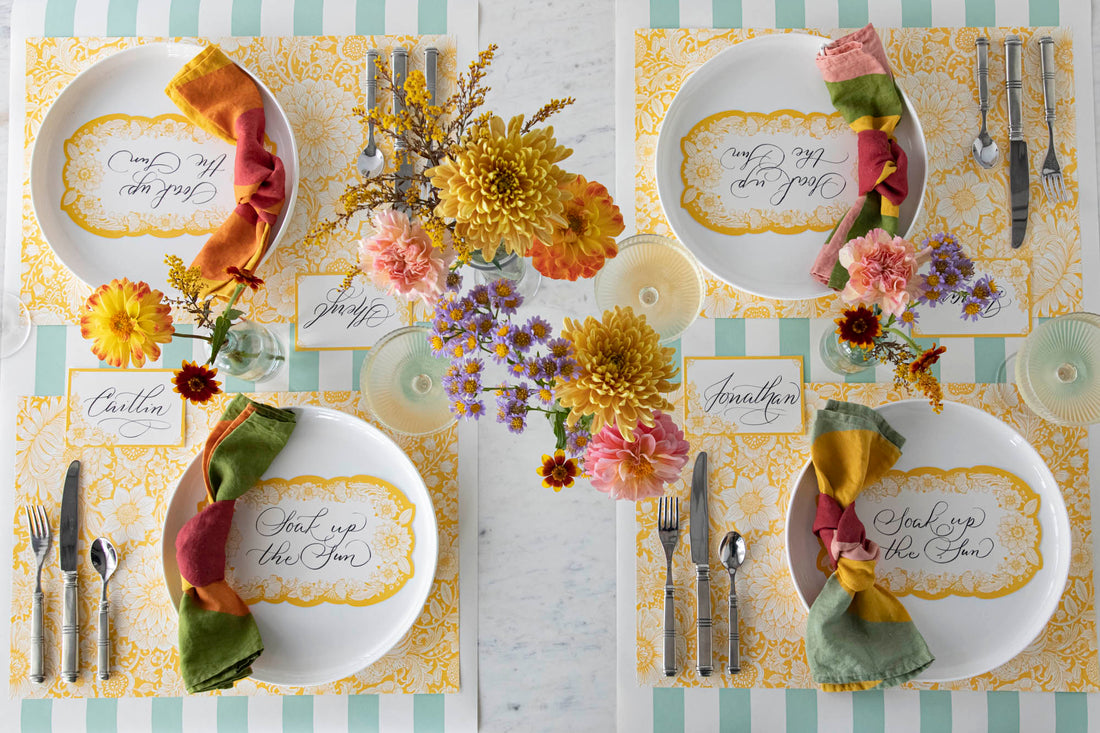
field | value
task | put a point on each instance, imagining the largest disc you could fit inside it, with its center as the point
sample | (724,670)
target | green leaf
(559,428)
(217,337)
(233,314)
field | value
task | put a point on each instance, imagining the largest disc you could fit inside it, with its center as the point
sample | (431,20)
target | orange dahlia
(126,321)
(580,246)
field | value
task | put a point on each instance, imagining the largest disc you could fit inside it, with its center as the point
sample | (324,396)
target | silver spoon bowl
(985,149)
(105,562)
(732,552)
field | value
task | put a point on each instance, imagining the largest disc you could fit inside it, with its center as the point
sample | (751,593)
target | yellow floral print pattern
(760,470)
(125,493)
(317,80)
(391,543)
(935,67)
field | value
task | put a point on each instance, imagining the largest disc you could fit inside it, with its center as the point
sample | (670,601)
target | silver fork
(668,529)
(39,526)
(1053,184)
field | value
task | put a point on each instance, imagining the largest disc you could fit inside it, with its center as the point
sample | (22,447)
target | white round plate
(764,74)
(967,635)
(314,645)
(132,82)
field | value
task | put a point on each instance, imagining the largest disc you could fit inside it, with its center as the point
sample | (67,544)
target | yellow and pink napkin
(858,636)
(218,96)
(861,85)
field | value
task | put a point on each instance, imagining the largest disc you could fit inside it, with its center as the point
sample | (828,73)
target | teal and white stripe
(42,367)
(665,710)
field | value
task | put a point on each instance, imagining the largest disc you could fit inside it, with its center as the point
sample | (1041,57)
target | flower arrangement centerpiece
(886,286)
(476,187)
(127,322)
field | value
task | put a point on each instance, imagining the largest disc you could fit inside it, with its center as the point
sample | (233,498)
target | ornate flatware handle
(670,627)
(38,641)
(104,666)
(734,665)
(982,45)
(1014,86)
(1050,99)
(702,577)
(70,628)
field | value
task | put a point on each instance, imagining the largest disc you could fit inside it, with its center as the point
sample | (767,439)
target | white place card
(329,316)
(1009,315)
(133,407)
(745,394)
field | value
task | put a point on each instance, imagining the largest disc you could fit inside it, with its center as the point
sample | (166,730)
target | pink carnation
(400,257)
(881,271)
(639,469)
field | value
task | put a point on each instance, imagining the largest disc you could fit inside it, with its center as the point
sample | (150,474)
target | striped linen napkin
(218,638)
(861,85)
(859,636)
(218,96)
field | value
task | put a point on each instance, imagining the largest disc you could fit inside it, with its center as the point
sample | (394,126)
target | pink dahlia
(400,257)
(639,469)
(882,271)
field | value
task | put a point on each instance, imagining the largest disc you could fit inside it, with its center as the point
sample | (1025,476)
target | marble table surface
(546,595)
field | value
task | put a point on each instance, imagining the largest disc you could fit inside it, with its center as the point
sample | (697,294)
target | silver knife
(399,60)
(70,620)
(1018,183)
(700,555)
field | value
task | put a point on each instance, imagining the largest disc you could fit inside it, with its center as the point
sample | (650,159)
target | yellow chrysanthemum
(503,187)
(126,321)
(622,369)
(581,245)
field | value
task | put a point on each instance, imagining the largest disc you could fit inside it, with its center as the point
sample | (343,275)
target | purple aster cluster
(951,279)
(477,326)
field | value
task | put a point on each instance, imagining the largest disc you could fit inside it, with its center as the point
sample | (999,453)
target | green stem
(191,336)
(916,347)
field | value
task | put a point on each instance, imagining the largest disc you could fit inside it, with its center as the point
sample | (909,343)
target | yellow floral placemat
(316,79)
(125,493)
(758,471)
(935,68)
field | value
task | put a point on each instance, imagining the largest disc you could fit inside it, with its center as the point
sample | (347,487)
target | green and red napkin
(218,638)
(861,85)
(218,96)
(859,636)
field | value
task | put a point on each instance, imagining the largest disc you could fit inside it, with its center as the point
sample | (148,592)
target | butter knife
(70,620)
(1018,183)
(399,60)
(700,555)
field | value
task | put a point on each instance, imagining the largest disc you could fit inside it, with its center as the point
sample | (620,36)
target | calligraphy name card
(1009,315)
(963,532)
(330,316)
(127,176)
(743,394)
(311,540)
(134,407)
(786,172)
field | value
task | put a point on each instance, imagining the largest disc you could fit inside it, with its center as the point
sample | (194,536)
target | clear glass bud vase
(843,358)
(509,266)
(251,352)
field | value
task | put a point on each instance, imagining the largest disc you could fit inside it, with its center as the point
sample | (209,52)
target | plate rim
(39,199)
(1062,529)
(663,143)
(168,553)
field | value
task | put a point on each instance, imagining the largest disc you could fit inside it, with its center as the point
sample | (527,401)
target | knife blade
(700,555)
(1018,177)
(70,620)
(399,60)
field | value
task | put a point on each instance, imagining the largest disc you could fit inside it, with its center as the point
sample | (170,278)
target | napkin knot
(259,178)
(882,166)
(842,533)
(200,544)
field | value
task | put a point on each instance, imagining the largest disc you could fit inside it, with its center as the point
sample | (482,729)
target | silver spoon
(732,552)
(104,560)
(985,150)
(371,161)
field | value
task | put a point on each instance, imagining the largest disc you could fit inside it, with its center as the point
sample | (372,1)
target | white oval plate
(968,636)
(764,74)
(132,82)
(315,645)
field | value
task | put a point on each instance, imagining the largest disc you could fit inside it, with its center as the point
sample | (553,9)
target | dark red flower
(244,277)
(557,471)
(859,326)
(927,359)
(196,383)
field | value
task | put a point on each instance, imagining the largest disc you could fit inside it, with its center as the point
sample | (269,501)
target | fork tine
(30,520)
(677,525)
(1062,188)
(45,520)
(661,513)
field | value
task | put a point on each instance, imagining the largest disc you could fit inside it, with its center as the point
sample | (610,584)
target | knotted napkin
(862,89)
(858,636)
(218,96)
(218,638)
